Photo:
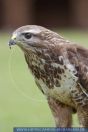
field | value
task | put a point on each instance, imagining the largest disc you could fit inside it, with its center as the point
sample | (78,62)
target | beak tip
(11,42)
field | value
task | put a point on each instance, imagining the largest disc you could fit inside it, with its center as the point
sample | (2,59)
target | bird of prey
(60,70)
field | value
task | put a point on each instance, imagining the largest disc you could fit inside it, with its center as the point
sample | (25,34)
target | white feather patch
(34,31)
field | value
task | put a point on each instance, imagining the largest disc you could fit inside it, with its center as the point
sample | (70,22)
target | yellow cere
(13,36)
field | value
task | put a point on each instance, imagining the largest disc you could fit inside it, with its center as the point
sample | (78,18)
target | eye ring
(27,35)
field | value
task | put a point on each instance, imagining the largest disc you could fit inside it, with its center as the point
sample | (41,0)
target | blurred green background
(21,102)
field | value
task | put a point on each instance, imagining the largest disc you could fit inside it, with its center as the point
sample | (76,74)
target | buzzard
(60,70)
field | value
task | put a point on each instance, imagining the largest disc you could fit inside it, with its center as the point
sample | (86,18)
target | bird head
(32,37)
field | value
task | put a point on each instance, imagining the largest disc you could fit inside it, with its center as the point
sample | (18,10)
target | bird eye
(27,35)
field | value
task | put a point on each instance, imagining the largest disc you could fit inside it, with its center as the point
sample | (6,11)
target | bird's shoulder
(78,57)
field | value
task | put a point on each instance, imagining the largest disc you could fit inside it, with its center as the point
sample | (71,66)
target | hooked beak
(12,41)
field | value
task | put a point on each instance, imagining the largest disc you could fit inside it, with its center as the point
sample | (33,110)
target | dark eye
(27,35)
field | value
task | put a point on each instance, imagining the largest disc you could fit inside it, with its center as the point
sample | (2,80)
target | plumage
(60,69)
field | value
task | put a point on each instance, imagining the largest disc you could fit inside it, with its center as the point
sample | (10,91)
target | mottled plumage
(60,69)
